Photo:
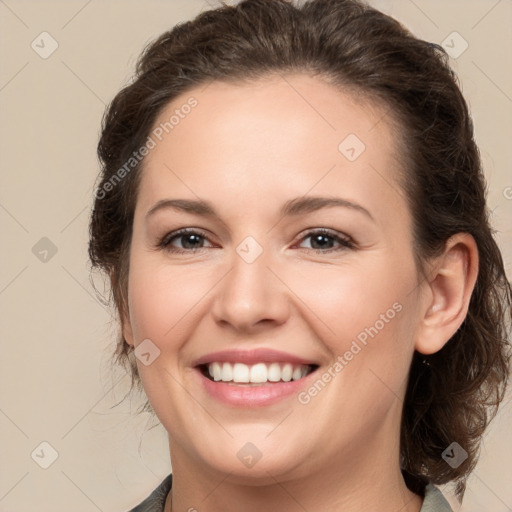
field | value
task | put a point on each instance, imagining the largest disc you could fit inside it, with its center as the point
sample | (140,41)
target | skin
(247,149)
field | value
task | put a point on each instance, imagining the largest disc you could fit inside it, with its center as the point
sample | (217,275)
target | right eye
(191,240)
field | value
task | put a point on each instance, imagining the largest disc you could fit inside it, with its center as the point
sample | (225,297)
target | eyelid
(345,241)
(164,243)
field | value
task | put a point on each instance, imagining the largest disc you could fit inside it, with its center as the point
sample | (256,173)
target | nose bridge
(250,292)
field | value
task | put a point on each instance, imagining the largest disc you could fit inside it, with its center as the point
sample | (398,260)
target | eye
(190,239)
(324,240)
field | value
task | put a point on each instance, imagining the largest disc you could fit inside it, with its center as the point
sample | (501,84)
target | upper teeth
(260,372)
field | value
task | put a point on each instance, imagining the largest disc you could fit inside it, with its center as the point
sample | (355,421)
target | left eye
(324,240)
(193,240)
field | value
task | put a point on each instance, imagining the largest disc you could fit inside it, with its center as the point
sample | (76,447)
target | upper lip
(253,356)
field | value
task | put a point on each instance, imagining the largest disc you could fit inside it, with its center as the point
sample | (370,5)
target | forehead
(287,132)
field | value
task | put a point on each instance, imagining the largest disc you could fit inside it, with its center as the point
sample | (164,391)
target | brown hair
(455,395)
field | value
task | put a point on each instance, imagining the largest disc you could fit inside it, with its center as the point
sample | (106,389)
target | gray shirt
(434,501)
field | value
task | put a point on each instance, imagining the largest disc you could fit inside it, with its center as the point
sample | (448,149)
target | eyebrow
(297,206)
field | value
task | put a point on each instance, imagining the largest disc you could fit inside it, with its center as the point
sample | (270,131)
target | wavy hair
(452,394)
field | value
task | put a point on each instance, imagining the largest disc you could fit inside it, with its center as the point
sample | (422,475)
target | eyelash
(165,242)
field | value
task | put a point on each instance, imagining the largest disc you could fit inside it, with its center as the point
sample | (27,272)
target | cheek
(163,301)
(162,297)
(356,300)
(351,300)
(364,315)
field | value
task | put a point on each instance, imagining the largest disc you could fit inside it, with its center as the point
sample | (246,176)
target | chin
(258,462)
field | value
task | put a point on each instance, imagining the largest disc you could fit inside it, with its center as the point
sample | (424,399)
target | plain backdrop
(56,386)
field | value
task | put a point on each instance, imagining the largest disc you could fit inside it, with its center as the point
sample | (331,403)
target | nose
(251,297)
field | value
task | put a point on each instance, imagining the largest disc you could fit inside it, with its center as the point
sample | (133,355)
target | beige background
(55,381)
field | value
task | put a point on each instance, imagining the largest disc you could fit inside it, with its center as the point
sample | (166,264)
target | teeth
(257,373)
(287,372)
(240,372)
(274,372)
(297,373)
(227,372)
(217,371)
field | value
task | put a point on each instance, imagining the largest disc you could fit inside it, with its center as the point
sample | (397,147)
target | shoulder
(434,501)
(156,500)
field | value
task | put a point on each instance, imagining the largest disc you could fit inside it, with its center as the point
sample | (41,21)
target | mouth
(253,378)
(258,374)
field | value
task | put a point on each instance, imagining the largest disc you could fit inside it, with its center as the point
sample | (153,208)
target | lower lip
(251,395)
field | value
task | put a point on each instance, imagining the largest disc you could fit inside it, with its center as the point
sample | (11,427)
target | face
(277,330)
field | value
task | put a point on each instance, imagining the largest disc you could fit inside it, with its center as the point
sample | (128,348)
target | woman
(291,212)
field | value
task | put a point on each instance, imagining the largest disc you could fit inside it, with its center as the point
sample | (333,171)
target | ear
(127,329)
(449,290)
(123,310)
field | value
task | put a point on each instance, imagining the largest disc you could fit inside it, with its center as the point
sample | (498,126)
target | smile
(259,373)
(253,378)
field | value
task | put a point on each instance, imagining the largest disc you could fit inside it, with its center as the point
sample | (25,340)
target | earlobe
(451,285)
